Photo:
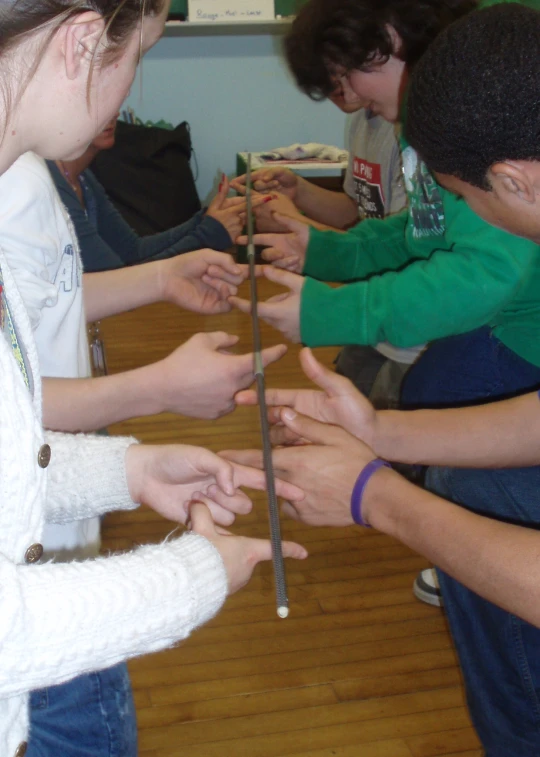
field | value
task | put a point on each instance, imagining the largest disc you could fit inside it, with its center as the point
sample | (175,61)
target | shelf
(206,28)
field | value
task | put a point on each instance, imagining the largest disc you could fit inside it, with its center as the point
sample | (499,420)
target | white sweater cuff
(86,476)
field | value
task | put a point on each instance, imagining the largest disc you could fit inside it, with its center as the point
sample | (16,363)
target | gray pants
(375,375)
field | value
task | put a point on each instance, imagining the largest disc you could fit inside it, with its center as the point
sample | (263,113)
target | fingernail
(268,199)
(289,414)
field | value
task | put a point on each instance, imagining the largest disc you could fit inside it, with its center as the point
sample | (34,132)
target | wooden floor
(359,669)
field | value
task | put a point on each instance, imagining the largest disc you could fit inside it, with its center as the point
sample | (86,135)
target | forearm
(74,491)
(333,209)
(498,435)
(112,292)
(370,247)
(88,404)
(108,609)
(496,560)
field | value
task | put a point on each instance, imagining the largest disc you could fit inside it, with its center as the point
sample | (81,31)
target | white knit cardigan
(60,620)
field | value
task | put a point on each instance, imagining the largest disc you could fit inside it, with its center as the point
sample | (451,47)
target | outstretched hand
(282,311)
(325,469)
(201,281)
(277,178)
(168,477)
(240,554)
(231,211)
(339,403)
(201,377)
(286,250)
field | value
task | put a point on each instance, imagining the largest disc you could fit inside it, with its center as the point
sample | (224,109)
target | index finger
(272,396)
(254,477)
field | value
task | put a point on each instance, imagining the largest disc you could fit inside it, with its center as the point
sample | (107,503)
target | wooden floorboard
(359,669)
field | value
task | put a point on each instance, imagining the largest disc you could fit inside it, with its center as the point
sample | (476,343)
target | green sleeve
(372,246)
(451,292)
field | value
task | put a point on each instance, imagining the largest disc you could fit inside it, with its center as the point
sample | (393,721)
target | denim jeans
(466,369)
(499,653)
(90,716)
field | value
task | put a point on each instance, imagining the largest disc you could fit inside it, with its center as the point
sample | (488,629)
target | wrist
(387,499)
(133,469)
(359,511)
(302,192)
(377,434)
(161,277)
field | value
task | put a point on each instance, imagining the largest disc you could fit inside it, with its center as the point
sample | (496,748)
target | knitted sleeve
(61,620)
(86,476)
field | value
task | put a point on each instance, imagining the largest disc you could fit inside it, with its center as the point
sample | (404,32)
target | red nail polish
(268,199)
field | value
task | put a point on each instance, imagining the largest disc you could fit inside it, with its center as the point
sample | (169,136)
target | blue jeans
(499,653)
(90,716)
(466,369)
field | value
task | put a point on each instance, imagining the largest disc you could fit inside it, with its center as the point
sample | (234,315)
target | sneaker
(426,588)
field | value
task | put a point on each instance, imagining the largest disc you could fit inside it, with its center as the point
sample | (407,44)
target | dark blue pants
(90,716)
(499,653)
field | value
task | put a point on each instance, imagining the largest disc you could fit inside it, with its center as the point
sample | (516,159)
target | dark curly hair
(349,34)
(474,98)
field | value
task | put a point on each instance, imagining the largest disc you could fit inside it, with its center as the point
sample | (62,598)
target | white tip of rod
(282,612)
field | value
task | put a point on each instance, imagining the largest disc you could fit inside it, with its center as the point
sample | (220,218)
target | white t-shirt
(374,180)
(39,242)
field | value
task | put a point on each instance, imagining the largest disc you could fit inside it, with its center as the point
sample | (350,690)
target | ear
(395,38)
(80,38)
(511,178)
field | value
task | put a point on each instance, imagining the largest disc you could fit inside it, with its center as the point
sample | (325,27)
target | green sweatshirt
(426,273)
(434,270)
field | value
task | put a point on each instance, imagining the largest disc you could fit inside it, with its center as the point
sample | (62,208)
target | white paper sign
(230,10)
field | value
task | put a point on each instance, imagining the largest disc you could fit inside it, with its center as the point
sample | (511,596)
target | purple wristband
(358,490)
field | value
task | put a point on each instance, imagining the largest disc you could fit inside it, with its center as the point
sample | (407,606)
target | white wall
(236,93)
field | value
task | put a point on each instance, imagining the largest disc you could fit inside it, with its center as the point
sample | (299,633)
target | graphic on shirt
(425,202)
(368,188)
(68,275)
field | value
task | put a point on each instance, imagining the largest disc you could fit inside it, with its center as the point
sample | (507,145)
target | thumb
(333,384)
(313,431)
(200,519)
(292,224)
(293,281)
(221,340)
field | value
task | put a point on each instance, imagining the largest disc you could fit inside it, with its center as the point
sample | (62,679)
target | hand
(326,469)
(284,250)
(230,212)
(168,477)
(240,554)
(200,378)
(265,214)
(339,403)
(283,310)
(277,178)
(200,281)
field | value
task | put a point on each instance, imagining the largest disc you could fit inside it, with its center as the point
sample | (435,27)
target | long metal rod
(282,600)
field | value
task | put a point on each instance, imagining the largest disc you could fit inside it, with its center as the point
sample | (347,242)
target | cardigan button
(21,749)
(33,553)
(44,456)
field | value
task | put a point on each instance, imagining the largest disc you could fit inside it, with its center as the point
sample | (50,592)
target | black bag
(148,177)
